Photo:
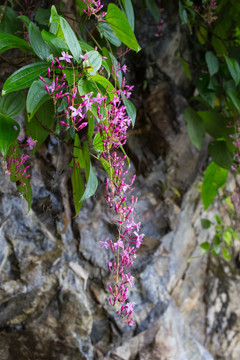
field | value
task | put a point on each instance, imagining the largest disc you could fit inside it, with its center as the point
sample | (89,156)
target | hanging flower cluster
(112,124)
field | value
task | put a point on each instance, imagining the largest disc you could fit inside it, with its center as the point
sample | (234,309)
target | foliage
(215,108)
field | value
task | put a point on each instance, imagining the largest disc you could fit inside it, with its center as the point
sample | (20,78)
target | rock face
(53,279)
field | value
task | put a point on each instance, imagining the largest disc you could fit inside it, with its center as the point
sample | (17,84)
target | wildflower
(31,143)
(66,57)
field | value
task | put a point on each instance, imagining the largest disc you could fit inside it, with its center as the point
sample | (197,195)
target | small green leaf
(37,95)
(183,14)
(154,9)
(38,44)
(234,69)
(186,68)
(218,219)
(9,130)
(71,39)
(8,41)
(212,62)
(227,237)
(24,77)
(131,110)
(108,33)
(12,104)
(214,177)
(226,254)
(120,25)
(9,20)
(195,127)
(206,223)
(205,246)
(216,244)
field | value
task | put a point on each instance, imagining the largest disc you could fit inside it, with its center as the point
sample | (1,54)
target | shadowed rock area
(54,276)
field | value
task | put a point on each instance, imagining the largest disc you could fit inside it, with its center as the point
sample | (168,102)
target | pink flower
(66,57)
(31,143)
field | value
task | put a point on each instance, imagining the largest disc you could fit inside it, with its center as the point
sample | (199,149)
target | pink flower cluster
(93,7)
(113,131)
(209,11)
(15,167)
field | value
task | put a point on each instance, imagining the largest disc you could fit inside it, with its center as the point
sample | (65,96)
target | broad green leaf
(195,127)
(131,110)
(212,62)
(220,154)
(226,254)
(24,77)
(98,143)
(206,224)
(214,177)
(154,9)
(9,41)
(71,39)
(227,237)
(56,44)
(205,246)
(215,124)
(41,124)
(9,130)
(37,95)
(120,25)
(234,69)
(92,184)
(94,60)
(233,233)
(9,21)
(129,12)
(12,104)
(108,33)
(42,16)
(207,95)
(216,244)
(38,44)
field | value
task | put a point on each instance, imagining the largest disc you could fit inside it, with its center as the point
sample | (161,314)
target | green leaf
(41,124)
(216,244)
(37,95)
(98,143)
(218,219)
(153,8)
(227,237)
(207,95)
(55,44)
(182,13)
(120,25)
(95,60)
(129,12)
(25,20)
(42,16)
(214,177)
(205,246)
(195,127)
(71,39)
(131,110)
(9,21)
(212,62)
(108,33)
(109,89)
(37,42)
(215,124)
(234,98)
(24,77)
(233,233)
(12,104)
(9,130)
(226,254)
(186,68)
(220,154)
(8,41)
(234,69)
(206,224)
